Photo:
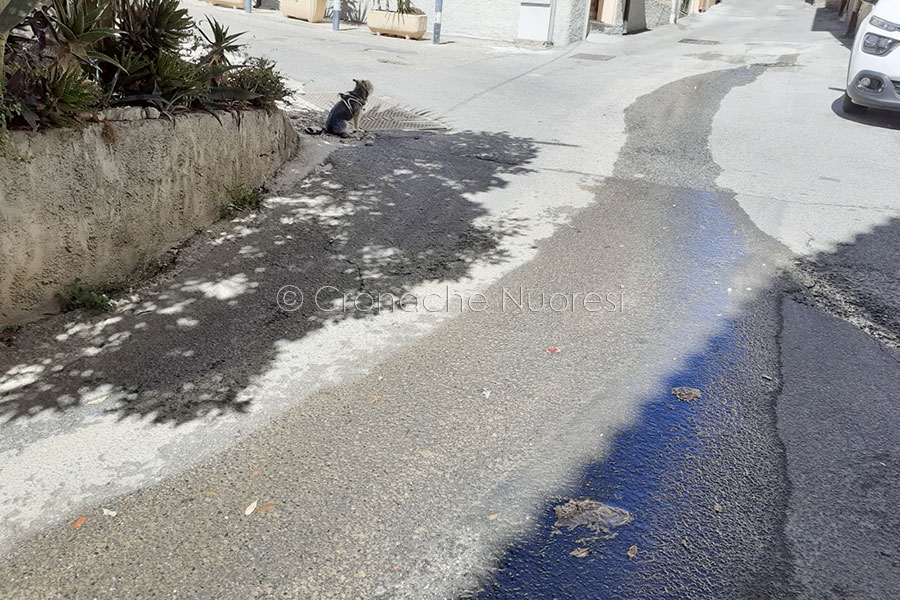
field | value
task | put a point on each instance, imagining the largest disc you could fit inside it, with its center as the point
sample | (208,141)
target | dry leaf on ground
(266,507)
(632,552)
(249,510)
(79,522)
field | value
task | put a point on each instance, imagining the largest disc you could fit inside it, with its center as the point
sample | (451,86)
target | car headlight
(878,44)
(882,24)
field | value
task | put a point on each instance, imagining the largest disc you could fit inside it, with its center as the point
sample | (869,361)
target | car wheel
(850,107)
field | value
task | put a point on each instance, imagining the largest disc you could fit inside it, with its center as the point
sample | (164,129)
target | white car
(874,76)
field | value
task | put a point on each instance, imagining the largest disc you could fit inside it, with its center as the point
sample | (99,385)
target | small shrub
(241,199)
(152,27)
(258,77)
(78,296)
(66,60)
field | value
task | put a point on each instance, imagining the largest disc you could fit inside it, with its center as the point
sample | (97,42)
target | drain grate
(699,42)
(382,114)
(600,57)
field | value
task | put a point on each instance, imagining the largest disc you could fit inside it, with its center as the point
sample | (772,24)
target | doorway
(602,11)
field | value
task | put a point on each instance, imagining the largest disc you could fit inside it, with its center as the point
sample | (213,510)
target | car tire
(850,107)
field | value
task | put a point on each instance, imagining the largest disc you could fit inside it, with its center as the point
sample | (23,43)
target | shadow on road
(827,19)
(382,219)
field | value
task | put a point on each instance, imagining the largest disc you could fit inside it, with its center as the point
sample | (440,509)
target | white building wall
(490,19)
(571,21)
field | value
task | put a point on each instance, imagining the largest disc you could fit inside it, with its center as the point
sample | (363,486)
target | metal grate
(382,114)
(601,57)
(699,42)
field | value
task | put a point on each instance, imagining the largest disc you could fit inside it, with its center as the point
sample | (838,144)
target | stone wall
(98,202)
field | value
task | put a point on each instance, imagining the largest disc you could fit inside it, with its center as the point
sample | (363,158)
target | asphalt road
(421,453)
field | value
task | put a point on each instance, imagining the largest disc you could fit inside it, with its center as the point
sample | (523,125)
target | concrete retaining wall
(95,204)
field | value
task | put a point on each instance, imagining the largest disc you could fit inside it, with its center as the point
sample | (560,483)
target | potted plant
(308,10)
(406,21)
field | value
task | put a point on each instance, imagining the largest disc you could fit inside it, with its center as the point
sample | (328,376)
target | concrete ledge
(99,202)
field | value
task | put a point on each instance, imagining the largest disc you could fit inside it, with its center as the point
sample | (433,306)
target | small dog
(348,108)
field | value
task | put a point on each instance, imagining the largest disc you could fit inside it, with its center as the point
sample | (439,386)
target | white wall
(500,19)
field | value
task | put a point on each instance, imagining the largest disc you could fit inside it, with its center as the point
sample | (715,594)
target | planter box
(307,10)
(398,24)
(228,3)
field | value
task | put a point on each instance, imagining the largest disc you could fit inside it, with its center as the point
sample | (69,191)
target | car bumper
(888,96)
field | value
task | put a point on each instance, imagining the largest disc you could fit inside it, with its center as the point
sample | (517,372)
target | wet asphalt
(436,474)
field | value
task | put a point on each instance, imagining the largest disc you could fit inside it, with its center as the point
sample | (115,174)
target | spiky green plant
(220,43)
(77,27)
(67,94)
(151,28)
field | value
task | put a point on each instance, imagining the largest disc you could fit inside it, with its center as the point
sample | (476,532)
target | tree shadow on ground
(378,219)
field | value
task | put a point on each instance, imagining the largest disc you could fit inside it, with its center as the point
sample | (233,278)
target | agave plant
(151,28)
(68,91)
(220,42)
(76,28)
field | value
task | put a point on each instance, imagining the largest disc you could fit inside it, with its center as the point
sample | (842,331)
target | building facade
(560,22)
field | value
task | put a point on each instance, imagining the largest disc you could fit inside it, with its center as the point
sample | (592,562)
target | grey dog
(348,109)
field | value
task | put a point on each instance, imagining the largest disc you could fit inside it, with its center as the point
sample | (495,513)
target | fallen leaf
(553,350)
(255,473)
(373,400)
(79,522)
(684,542)
(580,552)
(493,517)
(109,513)
(98,400)
(717,507)
(249,510)
(266,507)
(632,552)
